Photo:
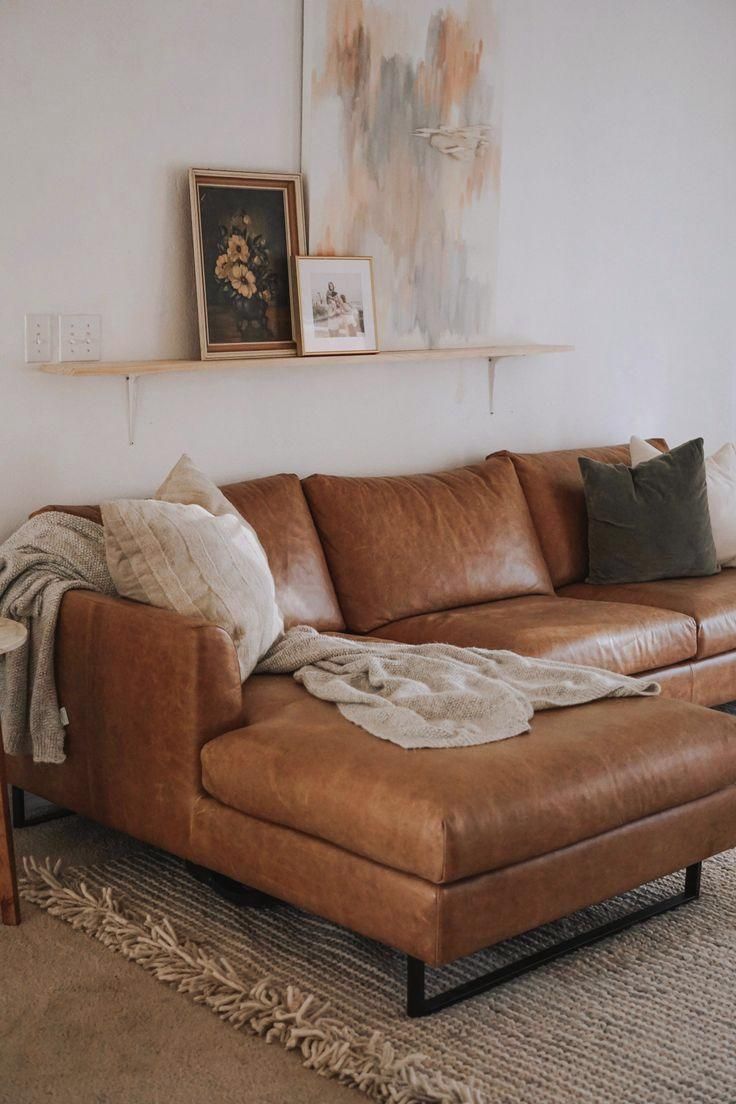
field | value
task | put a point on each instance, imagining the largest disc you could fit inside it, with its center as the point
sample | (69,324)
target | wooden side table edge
(9,900)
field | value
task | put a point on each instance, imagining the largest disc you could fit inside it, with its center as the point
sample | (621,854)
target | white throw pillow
(720,476)
(183,558)
(185,483)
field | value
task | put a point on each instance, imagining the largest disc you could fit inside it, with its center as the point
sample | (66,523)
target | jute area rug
(647,1017)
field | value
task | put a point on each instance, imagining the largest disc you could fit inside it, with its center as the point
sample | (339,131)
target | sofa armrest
(144,689)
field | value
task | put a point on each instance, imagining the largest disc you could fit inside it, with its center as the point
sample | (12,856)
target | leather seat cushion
(553,487)
(402,545)
(710,601)
(449,813)
(619,637)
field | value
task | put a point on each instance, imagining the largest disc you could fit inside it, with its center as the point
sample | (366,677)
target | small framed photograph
(335,309)
(247,227)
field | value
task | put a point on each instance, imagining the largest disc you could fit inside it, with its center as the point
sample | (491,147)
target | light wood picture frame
(334,305)
(246,228)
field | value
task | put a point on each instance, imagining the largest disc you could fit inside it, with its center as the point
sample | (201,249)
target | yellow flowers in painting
(244,272)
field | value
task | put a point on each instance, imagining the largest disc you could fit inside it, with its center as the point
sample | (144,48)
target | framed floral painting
(247,227)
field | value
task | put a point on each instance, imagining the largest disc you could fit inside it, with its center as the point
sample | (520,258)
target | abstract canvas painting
(401,156)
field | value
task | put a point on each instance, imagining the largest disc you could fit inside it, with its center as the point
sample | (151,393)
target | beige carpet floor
(79,1025)
(644,1018)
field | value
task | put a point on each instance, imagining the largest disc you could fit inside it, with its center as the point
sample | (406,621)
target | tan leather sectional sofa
(435,852)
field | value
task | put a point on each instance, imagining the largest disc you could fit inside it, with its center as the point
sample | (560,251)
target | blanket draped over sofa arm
(49,555)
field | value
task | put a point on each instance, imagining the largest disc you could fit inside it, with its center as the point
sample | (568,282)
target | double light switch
(78,337)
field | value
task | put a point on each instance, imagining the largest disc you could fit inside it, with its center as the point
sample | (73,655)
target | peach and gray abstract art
(401,155)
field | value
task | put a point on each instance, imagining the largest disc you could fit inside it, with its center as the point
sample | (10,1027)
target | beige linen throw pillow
(190,550)
(185,483)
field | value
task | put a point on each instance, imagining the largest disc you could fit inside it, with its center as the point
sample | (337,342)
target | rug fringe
(282,1015)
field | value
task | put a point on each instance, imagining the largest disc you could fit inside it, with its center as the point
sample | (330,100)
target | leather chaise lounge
(437,853)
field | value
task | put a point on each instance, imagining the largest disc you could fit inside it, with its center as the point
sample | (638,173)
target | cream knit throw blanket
(48,555)
(436,695)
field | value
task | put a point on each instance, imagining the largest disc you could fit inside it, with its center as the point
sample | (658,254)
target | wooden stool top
(12,635)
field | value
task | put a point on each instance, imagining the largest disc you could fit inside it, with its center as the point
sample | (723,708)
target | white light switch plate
(80,336)
(39,347)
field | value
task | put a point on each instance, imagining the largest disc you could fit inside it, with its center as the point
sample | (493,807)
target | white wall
(617,233)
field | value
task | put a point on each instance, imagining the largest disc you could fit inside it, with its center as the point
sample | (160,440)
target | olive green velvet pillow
(649,522)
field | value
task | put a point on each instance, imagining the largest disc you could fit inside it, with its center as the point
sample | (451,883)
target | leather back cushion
(553,487)
(276,508)
(402,545)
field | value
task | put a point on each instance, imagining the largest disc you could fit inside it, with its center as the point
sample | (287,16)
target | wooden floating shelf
(156,367)
(132,370)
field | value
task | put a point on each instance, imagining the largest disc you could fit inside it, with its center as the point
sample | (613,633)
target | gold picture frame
(246,228)
(334,305)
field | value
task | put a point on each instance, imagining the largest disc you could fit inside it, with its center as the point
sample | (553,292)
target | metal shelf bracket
(491,382)
(131,382)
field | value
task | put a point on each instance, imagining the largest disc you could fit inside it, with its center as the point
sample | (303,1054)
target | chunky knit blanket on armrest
(436,695)
(50,554)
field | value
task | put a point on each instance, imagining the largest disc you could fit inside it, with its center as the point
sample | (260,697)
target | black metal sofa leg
(234,892)
(18,811)
(419,1004)
(18,807)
